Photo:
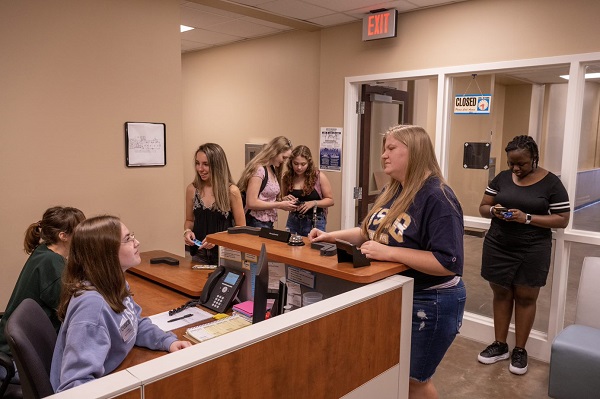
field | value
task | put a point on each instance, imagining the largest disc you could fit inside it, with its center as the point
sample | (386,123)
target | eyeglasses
(129,239)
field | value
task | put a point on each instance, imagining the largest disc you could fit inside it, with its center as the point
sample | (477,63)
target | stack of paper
(211,330)
(244,309)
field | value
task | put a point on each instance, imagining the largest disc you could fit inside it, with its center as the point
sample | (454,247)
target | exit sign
(380,25)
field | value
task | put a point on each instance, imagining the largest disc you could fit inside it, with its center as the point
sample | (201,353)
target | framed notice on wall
(145,144)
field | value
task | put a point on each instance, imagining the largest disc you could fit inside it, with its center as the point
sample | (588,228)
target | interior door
(383,107)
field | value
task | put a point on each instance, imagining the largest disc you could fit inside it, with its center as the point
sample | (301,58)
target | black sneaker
(518,361)
(494,353)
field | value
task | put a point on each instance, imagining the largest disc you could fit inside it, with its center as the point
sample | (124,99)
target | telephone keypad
(218,301)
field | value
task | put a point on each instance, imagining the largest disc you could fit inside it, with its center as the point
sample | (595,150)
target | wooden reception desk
(355,344)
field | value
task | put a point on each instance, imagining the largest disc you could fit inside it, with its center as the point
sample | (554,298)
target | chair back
(588,295)
(31,338)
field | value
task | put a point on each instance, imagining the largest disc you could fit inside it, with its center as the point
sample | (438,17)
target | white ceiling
(220,22)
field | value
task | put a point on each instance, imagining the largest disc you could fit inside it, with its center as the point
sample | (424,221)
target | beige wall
(249,93)
(71,74)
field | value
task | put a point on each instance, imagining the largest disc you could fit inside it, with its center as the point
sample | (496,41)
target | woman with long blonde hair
(417,220)
(268,164)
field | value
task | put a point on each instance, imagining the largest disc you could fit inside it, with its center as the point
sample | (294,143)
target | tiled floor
(461,376)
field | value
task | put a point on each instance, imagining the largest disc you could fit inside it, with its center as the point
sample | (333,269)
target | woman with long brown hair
(101,321)
(304,183)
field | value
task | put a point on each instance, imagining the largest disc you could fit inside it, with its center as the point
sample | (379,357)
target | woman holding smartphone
(524,203)
(310,188)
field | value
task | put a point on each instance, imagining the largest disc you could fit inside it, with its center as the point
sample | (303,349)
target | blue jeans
(437,317)
(303,225)
(254,222)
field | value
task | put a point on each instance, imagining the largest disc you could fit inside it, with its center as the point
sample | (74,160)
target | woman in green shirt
(47,242)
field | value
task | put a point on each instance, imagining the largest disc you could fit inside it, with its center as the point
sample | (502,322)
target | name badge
(127,331)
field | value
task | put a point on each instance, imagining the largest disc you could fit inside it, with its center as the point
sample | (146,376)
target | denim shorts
(303,225)
(254,222)
(437,317)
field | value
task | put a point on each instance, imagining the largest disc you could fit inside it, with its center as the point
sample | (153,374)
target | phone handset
(210,284)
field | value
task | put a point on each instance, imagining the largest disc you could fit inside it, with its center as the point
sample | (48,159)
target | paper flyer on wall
(330,149)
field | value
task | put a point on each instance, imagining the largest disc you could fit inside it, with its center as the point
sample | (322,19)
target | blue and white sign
(330,150)
(472,104)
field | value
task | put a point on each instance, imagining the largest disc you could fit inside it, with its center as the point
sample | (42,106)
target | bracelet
(492,211)
(315,203)
(185,231)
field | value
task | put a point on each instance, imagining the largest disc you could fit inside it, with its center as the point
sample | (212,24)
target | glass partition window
(528,101)
(587,194)
(576,255)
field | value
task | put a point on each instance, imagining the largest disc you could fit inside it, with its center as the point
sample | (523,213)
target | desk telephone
(219,291)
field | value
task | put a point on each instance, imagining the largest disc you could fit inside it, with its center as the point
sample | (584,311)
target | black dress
(208,221)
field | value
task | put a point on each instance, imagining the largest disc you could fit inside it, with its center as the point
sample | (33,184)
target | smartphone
(500,209)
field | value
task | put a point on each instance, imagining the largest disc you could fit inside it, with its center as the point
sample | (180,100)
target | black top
(208,221)
(542,198)
(312,196)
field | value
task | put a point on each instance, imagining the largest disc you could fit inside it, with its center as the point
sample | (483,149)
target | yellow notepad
(205,332)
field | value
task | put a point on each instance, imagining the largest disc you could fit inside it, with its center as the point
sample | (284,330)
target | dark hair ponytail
(55,220)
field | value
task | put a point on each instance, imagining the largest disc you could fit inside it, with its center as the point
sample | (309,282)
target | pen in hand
(180,318)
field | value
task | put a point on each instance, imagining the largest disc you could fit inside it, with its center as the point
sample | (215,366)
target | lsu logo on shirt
(396,231)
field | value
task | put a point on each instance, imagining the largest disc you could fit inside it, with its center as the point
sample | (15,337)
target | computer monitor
(261,287)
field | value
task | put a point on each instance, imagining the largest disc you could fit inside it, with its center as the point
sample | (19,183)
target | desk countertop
(181,278)
(307,258)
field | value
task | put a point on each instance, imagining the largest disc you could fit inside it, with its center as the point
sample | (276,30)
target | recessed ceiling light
(183,28)
(587,76)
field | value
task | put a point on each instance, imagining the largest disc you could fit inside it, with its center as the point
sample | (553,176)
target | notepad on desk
(219,327)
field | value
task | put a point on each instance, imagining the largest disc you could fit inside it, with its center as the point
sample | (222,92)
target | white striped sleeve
(559,207)
(490,191)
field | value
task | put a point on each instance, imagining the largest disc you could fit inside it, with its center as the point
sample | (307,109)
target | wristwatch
(527,218)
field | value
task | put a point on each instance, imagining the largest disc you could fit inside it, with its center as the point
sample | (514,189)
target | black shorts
(510,259)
